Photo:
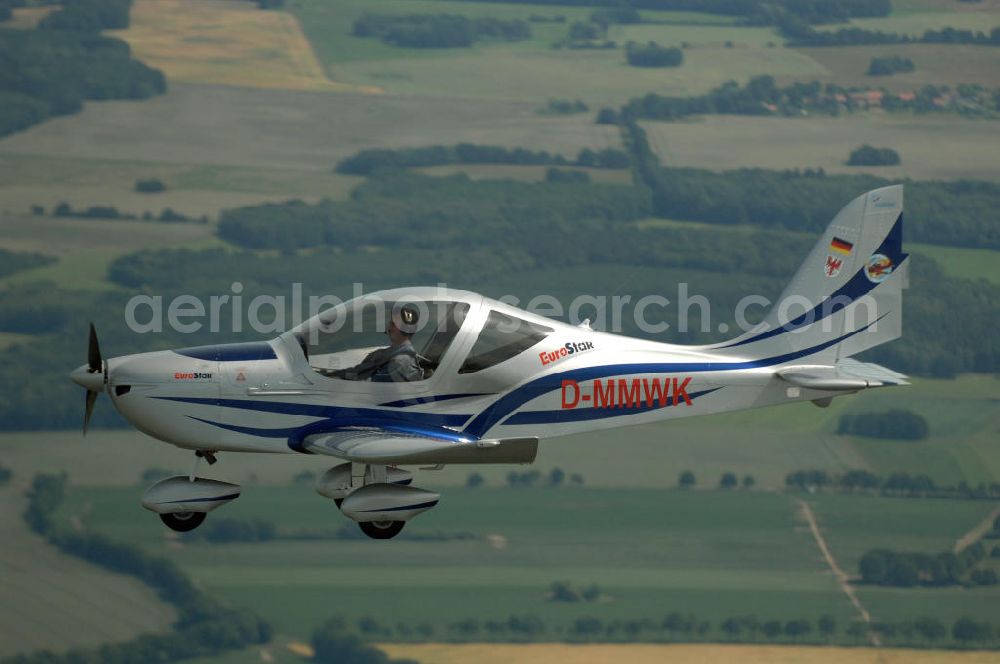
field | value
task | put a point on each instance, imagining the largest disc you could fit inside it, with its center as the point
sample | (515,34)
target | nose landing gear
(183,522)
(183,501)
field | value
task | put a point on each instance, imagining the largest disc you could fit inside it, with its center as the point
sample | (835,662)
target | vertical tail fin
(847,295)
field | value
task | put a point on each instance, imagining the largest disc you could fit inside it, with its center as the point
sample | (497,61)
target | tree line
(754,12)
(800,33)
(203,628)
(882,567)
(166,215)
(761,96)
(899,485)
(346,641)
(89,16)
(438,30)
(52,69)
(366,162)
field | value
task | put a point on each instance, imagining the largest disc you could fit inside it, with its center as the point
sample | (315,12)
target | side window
(450,316)
(502,338)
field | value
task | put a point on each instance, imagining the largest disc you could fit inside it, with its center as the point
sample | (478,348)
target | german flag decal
(841,246)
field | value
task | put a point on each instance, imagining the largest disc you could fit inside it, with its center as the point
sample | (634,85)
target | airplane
(494,379)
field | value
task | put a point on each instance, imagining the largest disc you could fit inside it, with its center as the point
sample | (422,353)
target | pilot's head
(404,323)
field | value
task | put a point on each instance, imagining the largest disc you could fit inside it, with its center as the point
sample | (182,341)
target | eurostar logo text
(192,376)
(627,393)
(570,348)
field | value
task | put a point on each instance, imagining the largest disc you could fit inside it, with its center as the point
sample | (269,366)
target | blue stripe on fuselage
(332,413)
(403,403)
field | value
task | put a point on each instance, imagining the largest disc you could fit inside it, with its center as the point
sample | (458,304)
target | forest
(653,55)
(51,70)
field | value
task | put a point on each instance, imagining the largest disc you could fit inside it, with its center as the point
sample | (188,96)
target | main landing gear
(378,498)
(183,501)
(381,529)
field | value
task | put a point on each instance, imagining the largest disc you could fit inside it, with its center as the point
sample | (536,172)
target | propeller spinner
(91,376)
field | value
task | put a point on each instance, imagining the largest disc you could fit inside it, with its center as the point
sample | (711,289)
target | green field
(935,64)
(533,70)
(50,600)
(714,554)
(915,22)
(708,553)
(87,270)
(931,147)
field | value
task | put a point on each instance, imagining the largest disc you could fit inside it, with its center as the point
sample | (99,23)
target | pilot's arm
(365,369)
(402,368)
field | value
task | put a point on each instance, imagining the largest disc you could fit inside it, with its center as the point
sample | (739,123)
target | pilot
(397,362)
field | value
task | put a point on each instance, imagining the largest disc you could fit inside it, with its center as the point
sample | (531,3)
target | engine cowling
(336,482)
(388,502)
(180,494)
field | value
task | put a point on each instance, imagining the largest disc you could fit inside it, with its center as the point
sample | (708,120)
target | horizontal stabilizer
(847,375)
(383,447)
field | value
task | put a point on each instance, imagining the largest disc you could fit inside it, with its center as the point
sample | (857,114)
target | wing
(385,446)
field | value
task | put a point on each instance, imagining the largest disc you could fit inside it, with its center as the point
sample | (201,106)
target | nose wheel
(183,522)
(381,529)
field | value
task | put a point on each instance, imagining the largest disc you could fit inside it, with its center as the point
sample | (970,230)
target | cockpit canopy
(341,337)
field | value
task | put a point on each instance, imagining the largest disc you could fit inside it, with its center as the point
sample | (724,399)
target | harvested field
(228,43)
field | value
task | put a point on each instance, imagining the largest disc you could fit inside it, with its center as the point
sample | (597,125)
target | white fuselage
(265,396)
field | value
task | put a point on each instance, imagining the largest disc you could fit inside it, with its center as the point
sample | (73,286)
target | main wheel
(183,522)
(381,529)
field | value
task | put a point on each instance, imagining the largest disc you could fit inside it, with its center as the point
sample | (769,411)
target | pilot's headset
(406,317)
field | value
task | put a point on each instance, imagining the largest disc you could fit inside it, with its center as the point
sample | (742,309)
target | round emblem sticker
(879,268)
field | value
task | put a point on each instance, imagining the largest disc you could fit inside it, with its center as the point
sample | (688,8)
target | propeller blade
(94,361)
(91,400)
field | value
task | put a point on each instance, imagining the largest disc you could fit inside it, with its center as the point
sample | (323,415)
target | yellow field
(543,653)
(227,43)
(26,18)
